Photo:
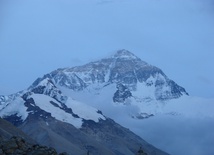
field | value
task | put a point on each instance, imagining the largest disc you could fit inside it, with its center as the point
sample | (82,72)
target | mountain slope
(7,130)
(15,141)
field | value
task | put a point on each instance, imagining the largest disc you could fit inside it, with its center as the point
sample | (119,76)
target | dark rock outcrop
(121,94)
(18,146)
(15,142)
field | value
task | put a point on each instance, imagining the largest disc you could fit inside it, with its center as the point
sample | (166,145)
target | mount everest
(124,78)
(58,108)
(55,120)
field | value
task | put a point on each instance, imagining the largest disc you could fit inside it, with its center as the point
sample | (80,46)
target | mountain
(124,78)
(15,141)
(53,119)
(142,98)
(70,110)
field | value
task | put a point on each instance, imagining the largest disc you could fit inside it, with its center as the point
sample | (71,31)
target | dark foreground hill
(14,142)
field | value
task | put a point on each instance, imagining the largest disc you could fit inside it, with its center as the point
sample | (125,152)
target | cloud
(205,80)
(175,134)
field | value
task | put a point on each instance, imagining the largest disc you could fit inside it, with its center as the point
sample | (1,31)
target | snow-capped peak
(124,54)
(123,67)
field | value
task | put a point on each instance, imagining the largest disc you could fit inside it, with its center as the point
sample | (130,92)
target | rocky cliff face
(121,94)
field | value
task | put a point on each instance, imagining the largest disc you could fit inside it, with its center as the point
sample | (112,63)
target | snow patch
(84,111)
(15,107)
(43,102)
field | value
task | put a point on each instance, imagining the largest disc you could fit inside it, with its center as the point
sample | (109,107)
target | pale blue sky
(39,36)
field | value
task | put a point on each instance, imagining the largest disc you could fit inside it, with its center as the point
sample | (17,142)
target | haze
(39,36)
